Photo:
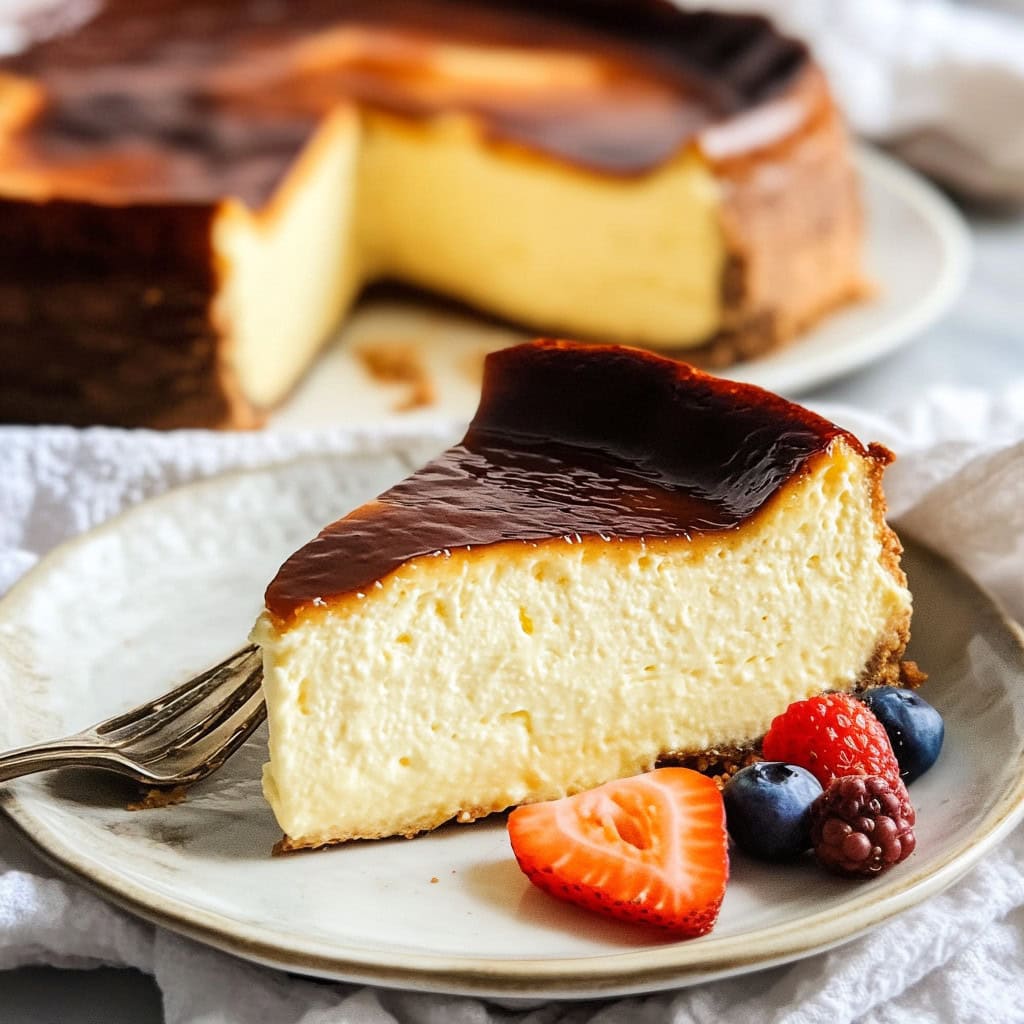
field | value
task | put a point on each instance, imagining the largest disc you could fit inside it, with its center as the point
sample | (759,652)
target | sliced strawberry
(649,849)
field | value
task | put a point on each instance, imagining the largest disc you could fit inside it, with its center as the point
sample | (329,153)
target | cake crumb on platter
(159,796)
(399,362)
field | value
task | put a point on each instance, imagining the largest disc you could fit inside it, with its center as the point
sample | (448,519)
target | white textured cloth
(960,956)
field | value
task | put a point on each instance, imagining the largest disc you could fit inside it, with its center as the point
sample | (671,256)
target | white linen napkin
(959,483)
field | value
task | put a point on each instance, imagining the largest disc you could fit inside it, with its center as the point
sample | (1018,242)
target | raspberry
(862,825)
(831,736)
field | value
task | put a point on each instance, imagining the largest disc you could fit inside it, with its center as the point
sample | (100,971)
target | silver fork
(176,739)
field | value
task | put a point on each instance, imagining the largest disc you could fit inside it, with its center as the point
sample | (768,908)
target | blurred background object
(151,118)
(940,83)
(195,193)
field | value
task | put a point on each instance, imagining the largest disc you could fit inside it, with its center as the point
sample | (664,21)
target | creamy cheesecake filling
(378,197)
(434,210)
(470,681)
(289,272)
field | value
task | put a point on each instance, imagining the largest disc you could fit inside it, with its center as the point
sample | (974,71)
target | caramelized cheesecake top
(192,100)
(572,441)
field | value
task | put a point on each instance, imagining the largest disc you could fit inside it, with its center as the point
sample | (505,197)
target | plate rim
(619,973)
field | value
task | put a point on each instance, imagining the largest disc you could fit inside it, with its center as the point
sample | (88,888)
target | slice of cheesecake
(624,559)
(192,194)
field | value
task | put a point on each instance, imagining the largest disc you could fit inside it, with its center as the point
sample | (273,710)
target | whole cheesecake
(625,561)
(193,192)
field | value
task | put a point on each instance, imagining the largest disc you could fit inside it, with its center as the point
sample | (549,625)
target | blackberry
(862,825)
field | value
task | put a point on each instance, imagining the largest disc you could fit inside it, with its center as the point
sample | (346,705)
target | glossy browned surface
(196,99)
(572,441)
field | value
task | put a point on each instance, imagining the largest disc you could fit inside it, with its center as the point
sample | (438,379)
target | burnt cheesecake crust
(624,562)
(166,164)
(572,441)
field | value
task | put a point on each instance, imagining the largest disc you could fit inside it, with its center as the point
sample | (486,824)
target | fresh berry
(649,849)
(768,809)
(914,727)
(831,736)
(862,825)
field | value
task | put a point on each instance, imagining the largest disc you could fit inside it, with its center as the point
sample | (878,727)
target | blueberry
(915,728)
(767,809)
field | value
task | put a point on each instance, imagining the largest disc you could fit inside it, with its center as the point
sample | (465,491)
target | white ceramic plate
(133,608)
(917,253)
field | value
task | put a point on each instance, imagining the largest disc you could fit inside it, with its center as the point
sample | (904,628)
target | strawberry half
(649,849)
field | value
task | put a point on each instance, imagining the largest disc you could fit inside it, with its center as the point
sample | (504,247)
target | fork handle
(43,757)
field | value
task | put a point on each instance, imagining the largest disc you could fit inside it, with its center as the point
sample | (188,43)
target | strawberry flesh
(650,849)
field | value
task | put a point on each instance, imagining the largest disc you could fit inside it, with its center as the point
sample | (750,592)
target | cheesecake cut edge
(878,664)
(719,762)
